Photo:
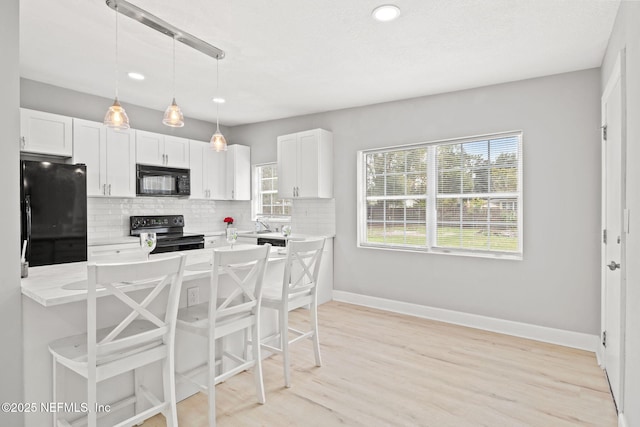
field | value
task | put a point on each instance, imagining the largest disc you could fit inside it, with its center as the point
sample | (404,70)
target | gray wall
(54,99)
(626,35)
(11,389)
(557,283)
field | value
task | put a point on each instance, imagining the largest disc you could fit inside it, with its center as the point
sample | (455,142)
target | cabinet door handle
(23,142)
(232,194)
(109,189)
(104,189)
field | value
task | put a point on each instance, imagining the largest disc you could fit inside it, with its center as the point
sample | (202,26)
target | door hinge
(604,132)
(604,236)
(604,339)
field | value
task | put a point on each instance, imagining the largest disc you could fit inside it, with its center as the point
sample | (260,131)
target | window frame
(431,220)
(256,196)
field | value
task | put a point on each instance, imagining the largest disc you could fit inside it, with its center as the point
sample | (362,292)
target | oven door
(181,244)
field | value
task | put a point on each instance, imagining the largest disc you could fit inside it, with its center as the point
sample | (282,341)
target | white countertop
(278,235)
(101,241)
(64,283)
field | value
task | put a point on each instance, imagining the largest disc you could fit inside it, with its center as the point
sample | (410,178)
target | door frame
(617,73)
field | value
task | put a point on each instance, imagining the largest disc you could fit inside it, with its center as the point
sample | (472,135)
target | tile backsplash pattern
(313,216)
(109,217)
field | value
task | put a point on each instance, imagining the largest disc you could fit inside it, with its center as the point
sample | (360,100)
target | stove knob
(136,224)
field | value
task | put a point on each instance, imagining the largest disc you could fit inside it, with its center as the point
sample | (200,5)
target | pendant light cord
(174,67)
(116,50)
(217,93)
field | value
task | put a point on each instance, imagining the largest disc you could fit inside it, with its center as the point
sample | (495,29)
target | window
(265,197)
(459,196)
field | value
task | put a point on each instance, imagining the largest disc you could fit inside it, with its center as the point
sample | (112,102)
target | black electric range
(169,232)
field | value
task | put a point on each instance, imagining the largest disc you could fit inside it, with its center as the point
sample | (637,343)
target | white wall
(557,283)
(11,388)
(626,35)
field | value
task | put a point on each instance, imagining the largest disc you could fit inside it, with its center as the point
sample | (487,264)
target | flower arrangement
(228,220)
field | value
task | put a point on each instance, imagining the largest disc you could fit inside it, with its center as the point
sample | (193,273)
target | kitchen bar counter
(65,283)
(54,306)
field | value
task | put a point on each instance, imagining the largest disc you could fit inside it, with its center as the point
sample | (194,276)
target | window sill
(441,251)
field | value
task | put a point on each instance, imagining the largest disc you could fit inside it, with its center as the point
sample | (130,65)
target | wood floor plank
(387,369)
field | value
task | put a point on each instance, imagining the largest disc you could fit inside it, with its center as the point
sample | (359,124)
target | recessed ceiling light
(136,76)
(386,13)
(219,100)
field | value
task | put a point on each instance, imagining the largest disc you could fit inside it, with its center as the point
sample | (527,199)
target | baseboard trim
(622,420)
(562,337)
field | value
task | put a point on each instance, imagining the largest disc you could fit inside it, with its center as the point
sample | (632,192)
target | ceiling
(291,57)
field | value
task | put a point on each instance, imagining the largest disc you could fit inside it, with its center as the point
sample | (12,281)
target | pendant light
(173,115)
(218,142)
(116,117)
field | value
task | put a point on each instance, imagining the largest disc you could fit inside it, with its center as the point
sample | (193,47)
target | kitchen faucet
(264,224)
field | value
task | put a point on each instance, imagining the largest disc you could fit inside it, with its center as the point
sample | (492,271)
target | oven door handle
(179,242)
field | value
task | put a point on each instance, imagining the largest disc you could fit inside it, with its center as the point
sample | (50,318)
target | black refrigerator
(53,201)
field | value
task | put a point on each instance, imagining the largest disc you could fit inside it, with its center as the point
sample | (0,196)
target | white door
(196,163)
(217,174)
(176,151)
(88,148)
(45,133)
(308,163)
(238,177)
(613,202)
(121,163)
(287,165)
(149,148)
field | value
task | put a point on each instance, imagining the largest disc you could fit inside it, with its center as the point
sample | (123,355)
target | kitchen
(566,298)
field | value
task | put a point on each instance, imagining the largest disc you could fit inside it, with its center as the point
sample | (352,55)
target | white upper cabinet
(224,175)
(161,150)
(238,172)
(196,166)
(305,164)
(45,133)
(110,158)
(207,171)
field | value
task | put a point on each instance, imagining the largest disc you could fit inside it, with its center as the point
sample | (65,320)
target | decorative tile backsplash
(109,217)
(313,216)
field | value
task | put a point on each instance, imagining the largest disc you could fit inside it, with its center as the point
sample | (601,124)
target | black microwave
(162,181)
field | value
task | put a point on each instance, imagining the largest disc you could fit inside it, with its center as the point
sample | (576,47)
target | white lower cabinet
(115,251)
(45,133)
(110,158)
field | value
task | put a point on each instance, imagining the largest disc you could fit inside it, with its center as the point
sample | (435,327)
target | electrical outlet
(193,296)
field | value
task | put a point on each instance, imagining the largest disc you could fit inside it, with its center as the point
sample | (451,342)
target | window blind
(267,201)
(456,195)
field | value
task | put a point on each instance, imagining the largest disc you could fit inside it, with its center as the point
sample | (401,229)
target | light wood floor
(386,369)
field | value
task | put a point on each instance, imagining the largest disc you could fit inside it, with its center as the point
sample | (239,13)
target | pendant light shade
(116,117)
(218,141)
(173,115)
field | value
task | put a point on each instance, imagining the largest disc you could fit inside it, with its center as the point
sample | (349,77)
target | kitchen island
(54,306)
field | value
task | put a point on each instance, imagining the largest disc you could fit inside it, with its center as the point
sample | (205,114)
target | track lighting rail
(152,21)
